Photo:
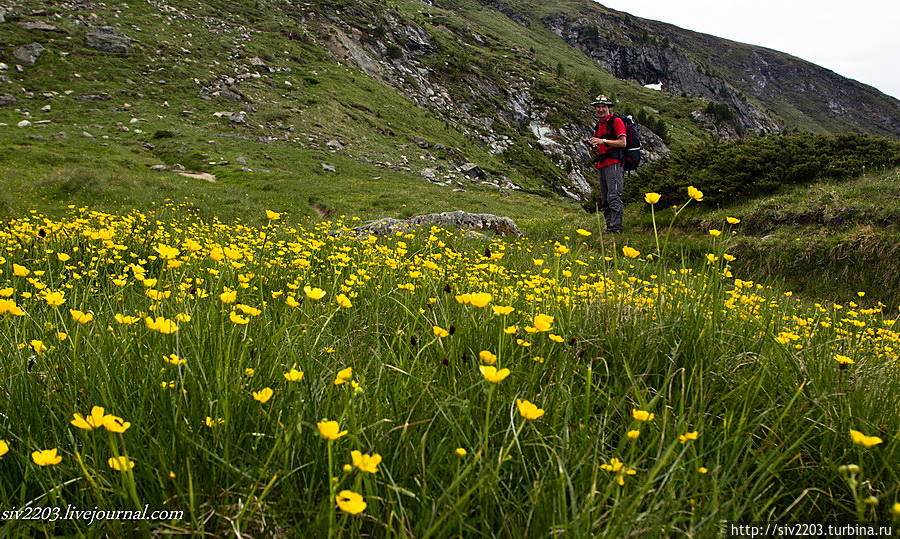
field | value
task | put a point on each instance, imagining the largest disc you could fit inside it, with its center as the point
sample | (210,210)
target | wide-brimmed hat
(602,100)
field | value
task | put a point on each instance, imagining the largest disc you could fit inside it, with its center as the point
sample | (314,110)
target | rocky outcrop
(503,226)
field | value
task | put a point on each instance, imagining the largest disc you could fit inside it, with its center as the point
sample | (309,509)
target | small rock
(45,108)
(86,134)
(28,54)
(329,168)
(159,168)
(40,26)
(241,159)
(473,171)
(3,67)
(334,144)
(23,123)
(201,176)
(6,100)
(257,61)
(105,38)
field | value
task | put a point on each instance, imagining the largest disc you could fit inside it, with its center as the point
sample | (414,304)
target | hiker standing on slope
(608,146)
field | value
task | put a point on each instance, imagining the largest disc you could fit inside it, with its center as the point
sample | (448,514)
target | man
(608,145)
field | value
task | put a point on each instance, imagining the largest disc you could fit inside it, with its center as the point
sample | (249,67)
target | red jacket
(601,132)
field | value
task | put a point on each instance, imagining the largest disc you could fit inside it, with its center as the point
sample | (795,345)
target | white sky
(858,39)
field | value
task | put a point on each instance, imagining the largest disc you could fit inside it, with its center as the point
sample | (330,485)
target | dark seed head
(452,329)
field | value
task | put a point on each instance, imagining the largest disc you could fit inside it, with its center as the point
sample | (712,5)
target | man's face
(602,110)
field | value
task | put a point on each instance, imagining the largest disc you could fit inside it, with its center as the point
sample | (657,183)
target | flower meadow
(301,377)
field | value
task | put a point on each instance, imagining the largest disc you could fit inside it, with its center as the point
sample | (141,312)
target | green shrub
(727,171)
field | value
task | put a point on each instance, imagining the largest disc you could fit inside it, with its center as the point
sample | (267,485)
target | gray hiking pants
(612,183)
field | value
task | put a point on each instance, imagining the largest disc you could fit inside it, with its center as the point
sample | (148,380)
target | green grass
(752,372)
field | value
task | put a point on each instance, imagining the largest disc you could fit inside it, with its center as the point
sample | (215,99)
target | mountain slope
(440,92)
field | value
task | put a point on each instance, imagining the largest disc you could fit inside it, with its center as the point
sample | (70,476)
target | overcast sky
(858,39)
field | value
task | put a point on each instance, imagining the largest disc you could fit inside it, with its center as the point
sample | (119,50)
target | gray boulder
(6,100)
(40,26)
(105,38)
(28,54)
(503,226)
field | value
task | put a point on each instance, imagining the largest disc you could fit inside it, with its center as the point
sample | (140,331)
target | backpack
(630,155)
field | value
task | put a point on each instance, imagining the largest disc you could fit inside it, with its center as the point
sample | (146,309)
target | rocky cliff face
(767,91)
(625,49)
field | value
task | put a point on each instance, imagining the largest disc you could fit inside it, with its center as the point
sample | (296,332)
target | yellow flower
(863,440)
(246,309)
(463,298)
(94,421)
(8,306)
(695,193)
(522,342)
(263,395)
(641,415)
(543,322)
(491,374)
(843,360)
(366,463)
(293,375)
(538,261)
(343,376)
(166,252)
(161,324)
(652,198)
(330,430)
(80,317)
(314,293)
(684,438)
(173,359)
(528,410)
(126,319)
(343,301)
(461,452)
(555,338)
(115,424)
(46,457)
(54,299)
(62,335)
(729,258)
(480,299)
(272,216)
(63,257)
(618,467)
(487,357)
(510,330)
(350,502)
(38,346)
(502,310)
(249,372)
(291,301)
(630,252)
(210,422)
(120,464)
(715,233)
(582,232)
(701,469)
(732,220)
(711,258)
(238,319)
(20,271)
(4,448)
(633,434)
(228,296)
(440,332)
